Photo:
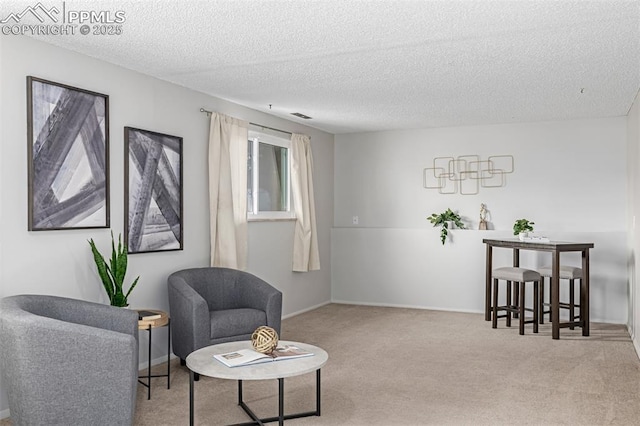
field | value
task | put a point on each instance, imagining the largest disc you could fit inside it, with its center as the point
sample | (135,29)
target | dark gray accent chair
(216,305)
(67,361)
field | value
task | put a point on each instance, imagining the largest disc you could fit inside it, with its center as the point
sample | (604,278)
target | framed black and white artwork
(68,157)
(153,191)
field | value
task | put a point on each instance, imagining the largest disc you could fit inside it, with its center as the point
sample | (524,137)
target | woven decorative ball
(264,339)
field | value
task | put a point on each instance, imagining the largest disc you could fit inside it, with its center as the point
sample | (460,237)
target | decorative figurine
(483,217)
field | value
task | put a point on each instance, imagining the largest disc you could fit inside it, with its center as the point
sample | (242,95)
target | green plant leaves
(119,300)
(522,225)
(135,282)
(112,274)
(444,233)
(102,270)
(443,220)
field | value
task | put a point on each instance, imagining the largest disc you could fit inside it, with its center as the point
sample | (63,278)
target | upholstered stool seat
(521,276)
(570,273)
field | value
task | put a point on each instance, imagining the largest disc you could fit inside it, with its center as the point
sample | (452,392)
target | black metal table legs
(280,418)
(149,375)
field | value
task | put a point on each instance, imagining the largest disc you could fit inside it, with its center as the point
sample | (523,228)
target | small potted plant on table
(522,227)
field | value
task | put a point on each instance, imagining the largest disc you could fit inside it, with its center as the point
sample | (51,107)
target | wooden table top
(158,322)
(538,245)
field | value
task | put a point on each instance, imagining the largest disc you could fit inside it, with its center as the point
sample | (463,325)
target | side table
(149,325)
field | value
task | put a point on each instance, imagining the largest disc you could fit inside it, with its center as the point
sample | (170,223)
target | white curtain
(228,191)
(305,243)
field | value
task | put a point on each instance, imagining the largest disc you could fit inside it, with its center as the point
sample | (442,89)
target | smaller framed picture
(153,191)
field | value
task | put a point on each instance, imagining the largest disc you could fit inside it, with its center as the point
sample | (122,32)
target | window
(268,176)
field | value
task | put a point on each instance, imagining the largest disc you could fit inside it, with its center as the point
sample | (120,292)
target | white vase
(523,235)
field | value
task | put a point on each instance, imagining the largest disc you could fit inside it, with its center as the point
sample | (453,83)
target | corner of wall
(633,209)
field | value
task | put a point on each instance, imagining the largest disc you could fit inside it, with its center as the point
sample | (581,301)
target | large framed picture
(68,157)
(153,191)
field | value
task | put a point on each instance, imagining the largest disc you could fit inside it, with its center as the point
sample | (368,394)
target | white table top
(203,362)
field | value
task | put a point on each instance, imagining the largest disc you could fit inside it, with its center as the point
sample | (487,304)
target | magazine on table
(251,357)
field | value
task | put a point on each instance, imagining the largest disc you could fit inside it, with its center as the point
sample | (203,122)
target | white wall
(570,179)
(633,158)
(60,262)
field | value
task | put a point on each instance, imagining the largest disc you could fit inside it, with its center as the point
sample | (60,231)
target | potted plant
(522,227)
(112,274)
(444,219)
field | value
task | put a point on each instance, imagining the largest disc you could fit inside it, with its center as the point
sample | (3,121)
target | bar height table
(555,247)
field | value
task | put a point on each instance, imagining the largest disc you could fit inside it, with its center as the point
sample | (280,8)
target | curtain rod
(253,124)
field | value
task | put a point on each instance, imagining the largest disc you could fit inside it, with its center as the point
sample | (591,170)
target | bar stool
(570,273)
(521,276)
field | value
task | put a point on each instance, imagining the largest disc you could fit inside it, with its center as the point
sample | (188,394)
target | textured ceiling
(376,65)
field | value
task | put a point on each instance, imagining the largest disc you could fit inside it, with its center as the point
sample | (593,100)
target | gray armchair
(217,305)
(68,362)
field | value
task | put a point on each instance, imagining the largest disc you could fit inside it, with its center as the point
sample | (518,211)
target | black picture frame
(68,157)
(153,191)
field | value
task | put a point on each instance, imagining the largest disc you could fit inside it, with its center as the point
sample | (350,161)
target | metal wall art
(466,174)
(68,157)
(153,191)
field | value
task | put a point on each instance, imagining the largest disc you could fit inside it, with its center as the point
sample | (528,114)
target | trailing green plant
(112,274)
(522,225)
(443,220)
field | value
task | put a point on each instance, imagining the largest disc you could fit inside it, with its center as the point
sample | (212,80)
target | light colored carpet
(392,366)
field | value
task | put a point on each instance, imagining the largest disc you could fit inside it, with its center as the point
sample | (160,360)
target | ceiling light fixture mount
(297,114)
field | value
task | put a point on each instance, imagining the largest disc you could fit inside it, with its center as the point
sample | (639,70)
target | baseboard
(4,414)
(306,310)
(393,305)
(159,360)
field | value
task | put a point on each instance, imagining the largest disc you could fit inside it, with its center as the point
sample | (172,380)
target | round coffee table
(202,362)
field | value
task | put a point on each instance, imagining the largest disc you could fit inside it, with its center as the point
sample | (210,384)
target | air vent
(297,114)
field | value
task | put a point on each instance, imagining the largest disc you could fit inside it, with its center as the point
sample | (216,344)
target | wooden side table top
(158,322)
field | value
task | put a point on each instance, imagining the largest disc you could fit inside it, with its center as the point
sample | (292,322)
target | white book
(251,357)
(148,315)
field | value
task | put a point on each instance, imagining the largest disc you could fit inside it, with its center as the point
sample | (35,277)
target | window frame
(257,136)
